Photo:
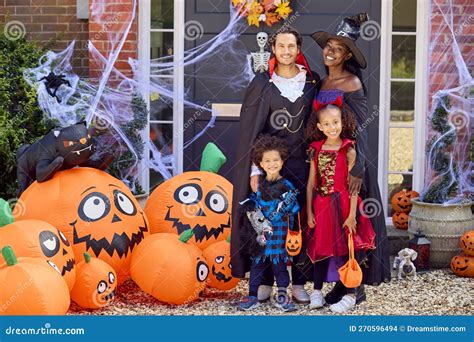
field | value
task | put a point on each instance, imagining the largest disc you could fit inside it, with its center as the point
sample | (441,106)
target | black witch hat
(347,32)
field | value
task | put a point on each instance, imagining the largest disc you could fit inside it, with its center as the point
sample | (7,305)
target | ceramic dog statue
(404,263)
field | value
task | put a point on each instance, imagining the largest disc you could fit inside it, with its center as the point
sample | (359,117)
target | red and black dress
(331,206)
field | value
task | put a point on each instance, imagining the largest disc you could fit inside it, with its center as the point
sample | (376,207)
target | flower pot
(443,225)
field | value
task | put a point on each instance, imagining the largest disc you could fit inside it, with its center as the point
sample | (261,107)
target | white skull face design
(262,39)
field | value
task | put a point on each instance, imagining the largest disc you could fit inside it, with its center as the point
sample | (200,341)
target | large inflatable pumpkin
(218,259)
(30,287)
(95,284)
(39,239)
(169,268)
(466,242)
(95,211)
(197,200)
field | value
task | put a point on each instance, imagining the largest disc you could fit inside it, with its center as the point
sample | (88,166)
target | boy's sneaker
(264,293)
(284,303)
(300,295)
(249,303)
(317,300)
(345,304)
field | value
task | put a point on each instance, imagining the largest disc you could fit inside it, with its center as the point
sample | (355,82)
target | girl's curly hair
(265,143)
(348,123)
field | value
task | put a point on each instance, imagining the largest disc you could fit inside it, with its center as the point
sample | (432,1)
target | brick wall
(114,17)
(51,23)
(443,70)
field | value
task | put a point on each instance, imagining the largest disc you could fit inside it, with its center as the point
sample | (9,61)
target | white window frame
(421,95)
(144,30)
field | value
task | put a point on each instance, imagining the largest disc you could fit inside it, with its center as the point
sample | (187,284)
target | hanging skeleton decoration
(259,60)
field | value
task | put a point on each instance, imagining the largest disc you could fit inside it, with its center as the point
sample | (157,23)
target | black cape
(377,267)
(253,116)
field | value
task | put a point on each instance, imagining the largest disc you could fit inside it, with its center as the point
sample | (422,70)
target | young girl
(332,211)
(266,216)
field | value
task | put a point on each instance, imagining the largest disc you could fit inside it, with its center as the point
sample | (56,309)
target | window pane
(162,14)
(403,56)
(404,15)
(162,137)
(402,102)
(400,156)
(161,44)
(397,183)
(155,179)
(161,107)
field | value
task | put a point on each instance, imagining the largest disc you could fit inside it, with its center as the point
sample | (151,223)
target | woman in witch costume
(343,62)
(277,103)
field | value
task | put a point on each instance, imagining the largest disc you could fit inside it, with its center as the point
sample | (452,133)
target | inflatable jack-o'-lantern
(169,268)
(197,200)
(218,259)
(30,287)
(466,242)
(401,201)
(96,283)
(95,211)
(39,239)
(400,221)
(463,265)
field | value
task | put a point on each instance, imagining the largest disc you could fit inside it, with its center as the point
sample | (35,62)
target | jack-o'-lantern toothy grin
(201,231)
(120,243)
(220,276)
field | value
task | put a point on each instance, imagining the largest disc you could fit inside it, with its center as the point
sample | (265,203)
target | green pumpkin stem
(212,158)
(9,256)
(6,214)
(87,257)
(186,235)
(228,239)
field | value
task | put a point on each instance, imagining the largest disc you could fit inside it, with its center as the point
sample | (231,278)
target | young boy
(276,200)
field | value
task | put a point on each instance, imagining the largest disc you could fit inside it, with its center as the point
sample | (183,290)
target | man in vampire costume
(279,103)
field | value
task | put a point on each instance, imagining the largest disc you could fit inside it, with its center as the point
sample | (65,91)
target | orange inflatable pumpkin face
(400,221)
(197,200)
(95,211)
(218,258)
(39,239)
(463,265)
(467,243)
(401,201)
(96,283)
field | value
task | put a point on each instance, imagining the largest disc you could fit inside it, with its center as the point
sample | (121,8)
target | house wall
(51,23)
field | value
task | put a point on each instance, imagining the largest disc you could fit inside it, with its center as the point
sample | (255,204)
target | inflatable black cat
(59,149)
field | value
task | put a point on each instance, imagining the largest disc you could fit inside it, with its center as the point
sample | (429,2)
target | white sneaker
(345,304)
(317,300)
(300,295)
(264,292)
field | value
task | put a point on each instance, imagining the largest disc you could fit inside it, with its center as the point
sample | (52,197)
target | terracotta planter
(443,225)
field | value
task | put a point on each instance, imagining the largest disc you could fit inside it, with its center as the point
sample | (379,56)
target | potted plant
(443,210)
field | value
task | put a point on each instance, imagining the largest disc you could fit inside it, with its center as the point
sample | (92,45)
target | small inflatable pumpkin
(463,265)
(30,287)
(466,242)
(96,283)
(169,268)
(401,201)
(400,221)
(39,239)
(197,200)
(95,211)
(218,258)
